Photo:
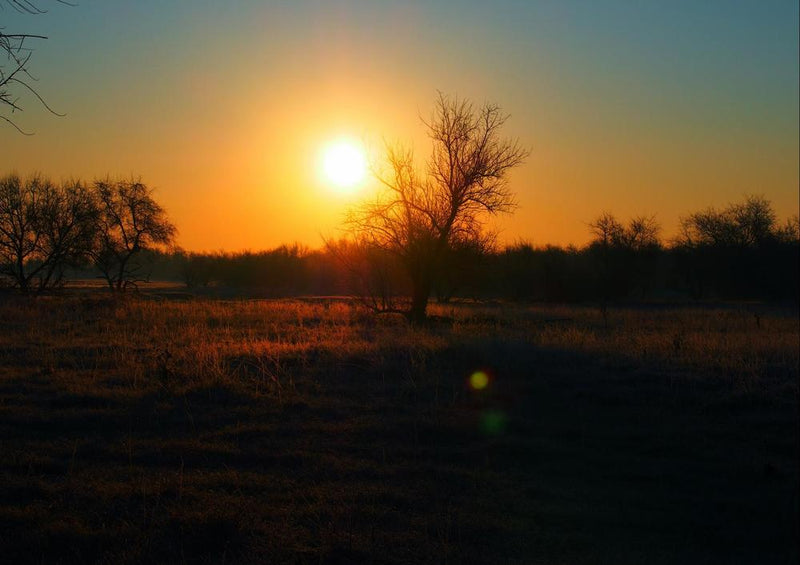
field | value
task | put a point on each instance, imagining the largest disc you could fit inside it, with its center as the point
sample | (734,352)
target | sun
(344,164)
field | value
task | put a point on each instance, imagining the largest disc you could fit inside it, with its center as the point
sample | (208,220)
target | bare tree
(607,230)
(790,231)
(15,73)
(642,232)
(44,228)
(625,254)
(748,224)
(418,218)
(129,221)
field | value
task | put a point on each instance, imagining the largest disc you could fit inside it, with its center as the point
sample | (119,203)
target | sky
(223,108)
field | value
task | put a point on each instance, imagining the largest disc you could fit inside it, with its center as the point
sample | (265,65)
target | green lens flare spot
(479,380)
(493,422)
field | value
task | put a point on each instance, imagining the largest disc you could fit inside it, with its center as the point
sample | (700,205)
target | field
(153,430)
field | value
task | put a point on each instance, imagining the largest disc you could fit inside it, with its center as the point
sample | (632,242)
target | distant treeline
(114,230)
(740,252)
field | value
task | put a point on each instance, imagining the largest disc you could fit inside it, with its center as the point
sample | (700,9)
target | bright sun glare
(344,164)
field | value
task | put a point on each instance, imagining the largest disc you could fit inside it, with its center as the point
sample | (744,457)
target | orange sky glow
(228,125)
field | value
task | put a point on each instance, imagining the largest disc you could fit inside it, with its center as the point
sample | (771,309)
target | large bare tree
(420,218)
(15,56)
(129,221)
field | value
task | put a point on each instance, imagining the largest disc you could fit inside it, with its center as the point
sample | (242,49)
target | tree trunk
(22,280)
(119,284)
(419,301)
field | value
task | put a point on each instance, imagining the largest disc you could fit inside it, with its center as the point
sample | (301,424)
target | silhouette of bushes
(740,252)
(51,232)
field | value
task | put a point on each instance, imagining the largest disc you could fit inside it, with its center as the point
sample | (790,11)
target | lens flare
(493,422)
(479,380)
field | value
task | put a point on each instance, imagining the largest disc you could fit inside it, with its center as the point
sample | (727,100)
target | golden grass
(142,429)
(200,341)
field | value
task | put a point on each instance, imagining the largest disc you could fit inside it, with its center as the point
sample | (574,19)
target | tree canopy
(422,218)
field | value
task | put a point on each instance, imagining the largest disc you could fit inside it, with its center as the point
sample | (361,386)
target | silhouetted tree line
(286,270)
(49,229)
(739,252)
(116,231)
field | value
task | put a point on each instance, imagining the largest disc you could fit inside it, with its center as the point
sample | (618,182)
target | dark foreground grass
(144,431)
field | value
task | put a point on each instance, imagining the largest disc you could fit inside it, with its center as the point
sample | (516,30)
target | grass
(148,430)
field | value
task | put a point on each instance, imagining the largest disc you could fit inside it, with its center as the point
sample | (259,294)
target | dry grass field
(153,430)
